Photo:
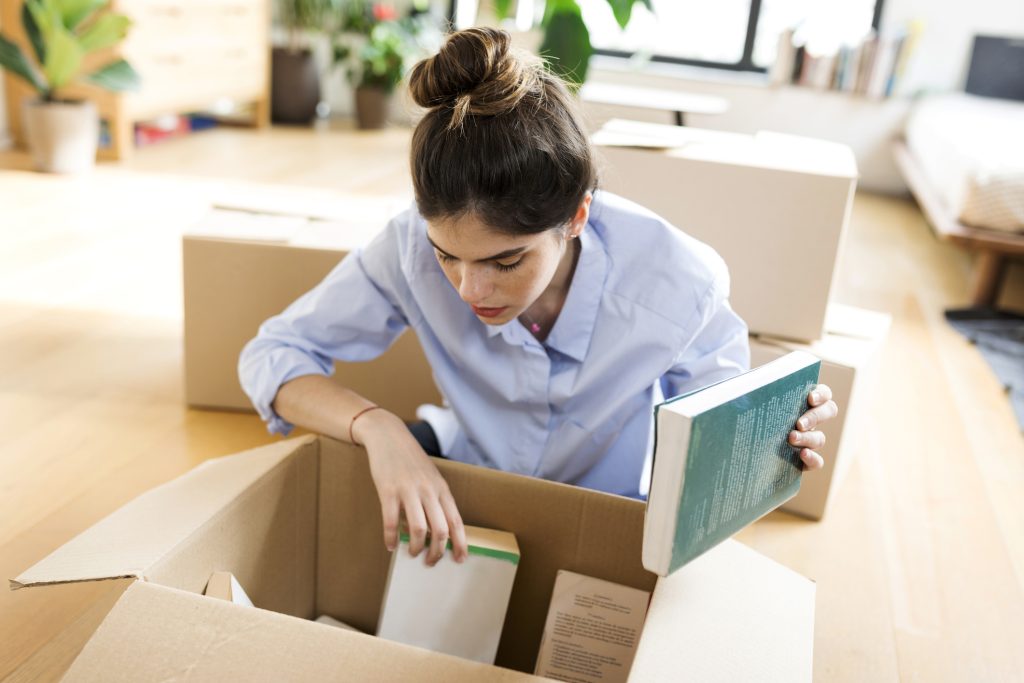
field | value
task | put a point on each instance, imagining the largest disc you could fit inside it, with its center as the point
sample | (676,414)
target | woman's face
(498,275)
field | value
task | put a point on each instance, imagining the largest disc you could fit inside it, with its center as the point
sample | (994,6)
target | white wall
(944,48)
(939,63)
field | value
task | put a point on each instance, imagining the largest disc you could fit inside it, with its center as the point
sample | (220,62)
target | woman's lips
(489,312)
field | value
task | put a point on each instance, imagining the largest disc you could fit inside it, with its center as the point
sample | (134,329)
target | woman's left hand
(806,435)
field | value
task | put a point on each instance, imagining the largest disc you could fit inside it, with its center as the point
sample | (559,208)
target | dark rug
(999,336)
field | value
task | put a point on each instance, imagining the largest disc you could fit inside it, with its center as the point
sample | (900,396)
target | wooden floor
(919,565)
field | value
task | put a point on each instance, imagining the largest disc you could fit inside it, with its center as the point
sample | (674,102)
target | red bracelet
(353,421)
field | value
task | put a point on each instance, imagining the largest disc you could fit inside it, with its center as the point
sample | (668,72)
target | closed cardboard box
(298,522)
(244,266)
(850,355)
(774,206)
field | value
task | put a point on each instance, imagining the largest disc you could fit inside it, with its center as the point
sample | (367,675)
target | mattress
(971,149)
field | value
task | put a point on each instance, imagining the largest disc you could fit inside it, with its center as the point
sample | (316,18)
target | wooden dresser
(191,54)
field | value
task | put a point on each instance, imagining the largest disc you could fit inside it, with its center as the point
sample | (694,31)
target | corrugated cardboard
(299,524)
(233,284)
(774,206)
(849,354)
(224,586)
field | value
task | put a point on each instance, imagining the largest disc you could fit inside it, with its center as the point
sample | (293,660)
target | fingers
(417,522)
(389,511)
(815,416)
(438,529)
(811,460)
(821,393)
(807,439)
(455,528)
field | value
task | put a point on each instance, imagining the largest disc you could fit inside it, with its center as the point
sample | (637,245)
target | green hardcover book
(722,459)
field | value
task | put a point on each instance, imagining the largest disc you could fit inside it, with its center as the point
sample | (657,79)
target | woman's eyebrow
(508,253)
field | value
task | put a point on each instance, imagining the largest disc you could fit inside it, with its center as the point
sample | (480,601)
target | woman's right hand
(408,481)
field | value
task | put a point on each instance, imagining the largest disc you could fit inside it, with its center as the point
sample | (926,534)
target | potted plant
(380,48)
(295,76)
(62,132)
(566,41)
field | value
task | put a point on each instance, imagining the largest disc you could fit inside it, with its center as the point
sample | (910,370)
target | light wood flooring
(919,565)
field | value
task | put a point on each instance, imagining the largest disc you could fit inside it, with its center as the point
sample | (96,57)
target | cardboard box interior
(298,523)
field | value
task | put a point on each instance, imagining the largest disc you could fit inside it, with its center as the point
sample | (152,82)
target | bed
(962,156)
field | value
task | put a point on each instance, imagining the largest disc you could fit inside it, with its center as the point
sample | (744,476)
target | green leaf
(623,10)
(553,7)
(502,8)
(42,16)
(117,76)
(32,31)
(74,12)
(107,30)
(63,57)
(566,46)
(14,60)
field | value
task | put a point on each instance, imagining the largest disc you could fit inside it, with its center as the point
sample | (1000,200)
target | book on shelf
(722,459)
(872,67)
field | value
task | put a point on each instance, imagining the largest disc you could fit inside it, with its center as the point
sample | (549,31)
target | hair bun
(475,73)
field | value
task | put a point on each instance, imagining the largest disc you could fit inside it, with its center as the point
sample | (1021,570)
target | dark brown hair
(502,137)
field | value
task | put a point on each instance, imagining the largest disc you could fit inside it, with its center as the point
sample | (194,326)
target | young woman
(554,315)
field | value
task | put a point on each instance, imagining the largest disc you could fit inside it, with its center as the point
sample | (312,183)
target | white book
(592,630)
(224,586)
(458,609)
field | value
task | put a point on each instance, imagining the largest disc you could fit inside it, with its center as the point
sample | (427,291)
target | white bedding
(972,151)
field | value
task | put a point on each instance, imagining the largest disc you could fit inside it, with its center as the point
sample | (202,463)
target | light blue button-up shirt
(646,316)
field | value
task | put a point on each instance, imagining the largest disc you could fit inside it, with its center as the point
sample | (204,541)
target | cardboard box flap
(155,633)
(744,617)
(764,149)
(133,538)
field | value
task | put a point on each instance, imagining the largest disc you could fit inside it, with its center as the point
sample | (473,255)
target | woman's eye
(506,267)
(444,258)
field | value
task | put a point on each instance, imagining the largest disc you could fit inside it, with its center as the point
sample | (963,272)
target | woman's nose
(475,286)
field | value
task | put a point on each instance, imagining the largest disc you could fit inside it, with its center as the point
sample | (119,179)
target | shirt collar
(575,325)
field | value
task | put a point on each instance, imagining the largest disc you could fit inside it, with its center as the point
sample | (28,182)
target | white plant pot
(62,136)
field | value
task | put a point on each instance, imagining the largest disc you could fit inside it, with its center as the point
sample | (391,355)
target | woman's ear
(579,221)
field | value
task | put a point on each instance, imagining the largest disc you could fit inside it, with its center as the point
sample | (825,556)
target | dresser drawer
(165,27)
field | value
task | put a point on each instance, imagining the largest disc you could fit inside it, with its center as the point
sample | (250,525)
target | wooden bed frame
(994,248)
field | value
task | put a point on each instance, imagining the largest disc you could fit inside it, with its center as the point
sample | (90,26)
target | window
(732,34)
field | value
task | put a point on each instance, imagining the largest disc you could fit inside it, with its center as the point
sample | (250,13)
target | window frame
(746,62)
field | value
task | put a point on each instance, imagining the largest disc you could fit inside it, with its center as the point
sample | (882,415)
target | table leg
(988,276)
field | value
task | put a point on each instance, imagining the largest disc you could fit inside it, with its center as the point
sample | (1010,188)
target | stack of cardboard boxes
(776,207)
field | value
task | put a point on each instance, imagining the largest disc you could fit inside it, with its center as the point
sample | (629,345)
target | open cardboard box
(298,523)
(774,206)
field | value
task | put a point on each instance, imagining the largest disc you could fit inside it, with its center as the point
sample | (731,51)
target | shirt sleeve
(354,314)
(719,349)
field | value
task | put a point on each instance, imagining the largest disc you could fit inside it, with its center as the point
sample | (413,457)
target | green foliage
(566,46)
(117,76)
(503,8)
(62,33)
(379,46)
(12,59)
(623,9)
